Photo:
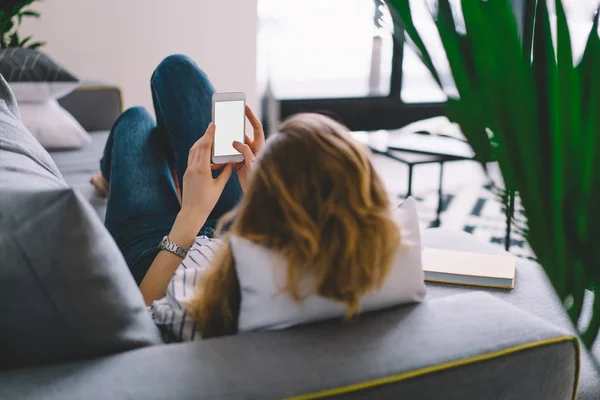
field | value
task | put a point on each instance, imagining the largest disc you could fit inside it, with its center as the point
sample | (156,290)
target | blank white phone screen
(229,119)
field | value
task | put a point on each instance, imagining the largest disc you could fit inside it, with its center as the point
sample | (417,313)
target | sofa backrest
(65,290)
(15,139)
(471,346)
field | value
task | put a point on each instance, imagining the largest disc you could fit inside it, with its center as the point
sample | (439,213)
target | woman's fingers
(198,149)
(208,136)
(259,134)
(224,176)
(252,118)
(200,153)
(210,132)
(245,150)
(192,156)
(205,146)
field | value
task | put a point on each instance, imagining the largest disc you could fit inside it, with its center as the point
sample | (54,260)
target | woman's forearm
(184,231)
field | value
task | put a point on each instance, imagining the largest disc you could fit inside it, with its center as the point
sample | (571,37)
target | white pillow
(53,126)
(261,272)
(39,92)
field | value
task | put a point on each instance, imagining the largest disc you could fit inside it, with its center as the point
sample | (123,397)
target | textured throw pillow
(34,77)
(65,290)
(37,82)
(264,307)
(53,126)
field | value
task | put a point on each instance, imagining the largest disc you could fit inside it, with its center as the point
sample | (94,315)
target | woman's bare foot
(100,184)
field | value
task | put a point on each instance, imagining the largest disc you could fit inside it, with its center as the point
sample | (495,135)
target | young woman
(309,194)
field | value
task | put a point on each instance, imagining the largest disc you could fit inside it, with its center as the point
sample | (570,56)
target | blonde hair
(316,199)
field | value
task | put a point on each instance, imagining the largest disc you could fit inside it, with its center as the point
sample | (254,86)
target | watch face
(163,242)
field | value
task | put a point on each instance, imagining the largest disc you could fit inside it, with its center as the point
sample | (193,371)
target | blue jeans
(140,153)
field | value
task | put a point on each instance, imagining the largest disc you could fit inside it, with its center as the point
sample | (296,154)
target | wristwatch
(171,247)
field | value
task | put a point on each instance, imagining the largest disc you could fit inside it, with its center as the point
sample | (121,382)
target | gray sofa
(73,325)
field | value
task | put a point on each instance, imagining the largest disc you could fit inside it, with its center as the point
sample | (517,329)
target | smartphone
(229,116)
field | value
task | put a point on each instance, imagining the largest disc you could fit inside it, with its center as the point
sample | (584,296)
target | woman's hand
(200,194)
(200,191)
(249,149)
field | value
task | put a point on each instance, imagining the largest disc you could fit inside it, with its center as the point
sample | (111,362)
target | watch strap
(171,247)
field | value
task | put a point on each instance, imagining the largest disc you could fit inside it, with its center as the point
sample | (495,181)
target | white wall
(122,41)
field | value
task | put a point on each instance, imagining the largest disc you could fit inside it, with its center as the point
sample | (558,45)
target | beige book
(465,268)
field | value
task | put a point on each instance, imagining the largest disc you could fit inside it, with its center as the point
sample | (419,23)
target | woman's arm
(200,194)
(184,231)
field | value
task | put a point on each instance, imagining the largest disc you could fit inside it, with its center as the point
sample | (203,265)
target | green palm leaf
(522,102)
(12,13)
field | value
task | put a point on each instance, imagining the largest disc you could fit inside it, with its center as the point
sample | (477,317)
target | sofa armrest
(471,346)
(96,106)
(533,293)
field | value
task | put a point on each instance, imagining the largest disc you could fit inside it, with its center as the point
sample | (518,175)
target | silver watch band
(171,247)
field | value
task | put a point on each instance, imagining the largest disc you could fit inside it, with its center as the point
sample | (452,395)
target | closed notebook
(464,268)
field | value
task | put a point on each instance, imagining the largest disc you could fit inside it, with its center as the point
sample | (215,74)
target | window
(325,48)
(338,57)
(579,17)
(418,86)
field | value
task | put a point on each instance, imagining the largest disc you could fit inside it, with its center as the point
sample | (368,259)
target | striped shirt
(169,313)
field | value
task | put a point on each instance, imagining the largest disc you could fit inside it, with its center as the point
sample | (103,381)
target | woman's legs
(142,201)
(138,157)
(182,97)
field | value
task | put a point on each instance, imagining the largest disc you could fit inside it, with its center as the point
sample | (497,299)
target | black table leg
(438,221)
(510,211)
(410,177)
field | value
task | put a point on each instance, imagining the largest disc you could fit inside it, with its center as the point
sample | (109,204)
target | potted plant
(521,100)
(12,13)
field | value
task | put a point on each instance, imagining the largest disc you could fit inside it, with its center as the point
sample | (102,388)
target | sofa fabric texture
(14,138)
(65,290)
(532,293)
(334,356)
(33,76)
(96,105)
(18,64)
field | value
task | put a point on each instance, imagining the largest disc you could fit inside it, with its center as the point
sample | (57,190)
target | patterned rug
(479,211)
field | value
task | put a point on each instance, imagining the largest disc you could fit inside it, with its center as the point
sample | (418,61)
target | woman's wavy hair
(316,199)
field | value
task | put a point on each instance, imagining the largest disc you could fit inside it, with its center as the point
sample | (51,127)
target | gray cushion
(28,65)
(34,77)
(65,290)
(95,105)
(14,138)
(480,341)
(532,293)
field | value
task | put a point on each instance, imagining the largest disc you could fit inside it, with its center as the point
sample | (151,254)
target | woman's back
(315,199)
